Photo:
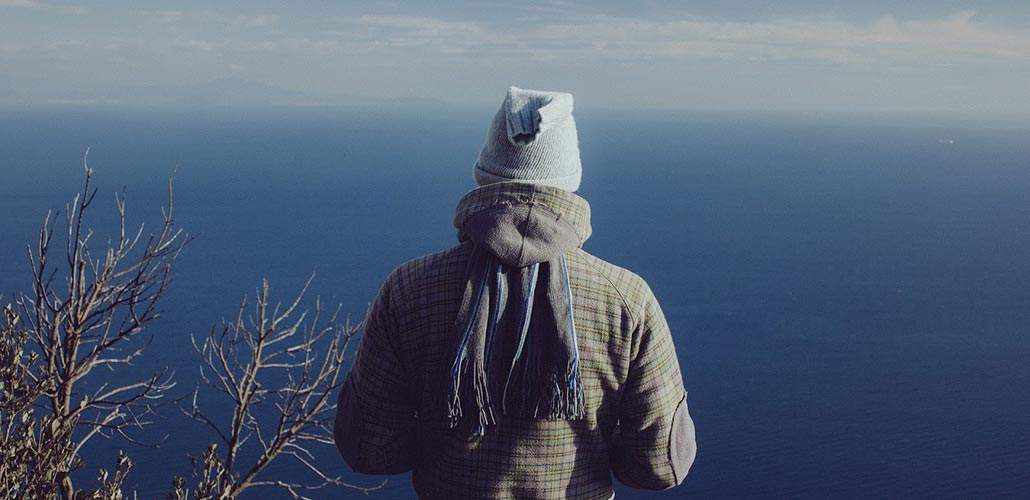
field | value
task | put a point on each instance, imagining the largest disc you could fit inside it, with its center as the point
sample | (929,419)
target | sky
(793,55)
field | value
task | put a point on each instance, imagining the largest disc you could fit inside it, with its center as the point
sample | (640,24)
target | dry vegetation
(276,354)
(277,367)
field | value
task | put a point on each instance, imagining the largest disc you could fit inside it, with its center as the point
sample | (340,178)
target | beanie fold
(569,182)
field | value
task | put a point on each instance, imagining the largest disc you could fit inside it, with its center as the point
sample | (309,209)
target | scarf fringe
(567,398)
(460,367)
(560,397)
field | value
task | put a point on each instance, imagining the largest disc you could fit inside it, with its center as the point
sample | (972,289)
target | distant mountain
(221,92)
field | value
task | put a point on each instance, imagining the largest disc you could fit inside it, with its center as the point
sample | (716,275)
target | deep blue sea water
(850,296)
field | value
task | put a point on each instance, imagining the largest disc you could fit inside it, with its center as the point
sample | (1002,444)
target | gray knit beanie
(532,139)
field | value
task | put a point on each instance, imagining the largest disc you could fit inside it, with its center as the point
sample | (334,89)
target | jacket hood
(523,224)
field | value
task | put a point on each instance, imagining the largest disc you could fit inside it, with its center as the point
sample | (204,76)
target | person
(516,364)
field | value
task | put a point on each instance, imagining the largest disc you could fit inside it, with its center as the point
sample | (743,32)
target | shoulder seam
(629,307)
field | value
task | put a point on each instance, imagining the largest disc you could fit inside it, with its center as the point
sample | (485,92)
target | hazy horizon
(797,55)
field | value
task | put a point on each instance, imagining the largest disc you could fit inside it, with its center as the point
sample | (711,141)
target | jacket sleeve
(654,444)
(375,416)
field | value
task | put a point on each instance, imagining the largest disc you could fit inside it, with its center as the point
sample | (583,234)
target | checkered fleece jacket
(392,414)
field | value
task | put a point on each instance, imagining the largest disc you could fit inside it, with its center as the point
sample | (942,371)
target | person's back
(515,364)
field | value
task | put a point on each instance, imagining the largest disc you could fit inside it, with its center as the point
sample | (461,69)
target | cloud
(822,39)
(72,9)
(204,45)
(886,40)
(254,21)
(25,4)
(164,16)
(425,25)
(599,39)
(384,34)
(799,56)
(228,45)
(883,44)
(210,16)
(33,4)
(584,39)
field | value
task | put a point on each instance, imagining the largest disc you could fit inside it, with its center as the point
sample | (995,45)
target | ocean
(849,294)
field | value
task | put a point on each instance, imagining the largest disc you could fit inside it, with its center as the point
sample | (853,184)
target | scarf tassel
(565,398)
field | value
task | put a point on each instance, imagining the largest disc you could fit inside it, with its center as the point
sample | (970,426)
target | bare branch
(289,355)
(88,312)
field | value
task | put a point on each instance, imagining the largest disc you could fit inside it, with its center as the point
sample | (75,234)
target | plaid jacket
(392,417)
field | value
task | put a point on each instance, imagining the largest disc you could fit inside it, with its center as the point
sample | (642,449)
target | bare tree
(288,357)
(279,367)
(86,311)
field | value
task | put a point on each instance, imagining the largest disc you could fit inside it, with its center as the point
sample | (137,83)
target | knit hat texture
(532,139)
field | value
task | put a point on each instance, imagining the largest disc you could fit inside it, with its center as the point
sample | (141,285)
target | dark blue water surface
(850,296)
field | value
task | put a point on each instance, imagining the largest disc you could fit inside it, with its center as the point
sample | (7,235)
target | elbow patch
(682,442)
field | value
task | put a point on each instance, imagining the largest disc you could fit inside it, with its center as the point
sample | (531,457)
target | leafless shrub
(279,367)
(85,312)
(280,355)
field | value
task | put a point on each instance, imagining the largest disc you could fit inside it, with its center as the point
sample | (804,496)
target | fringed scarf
(541,380)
